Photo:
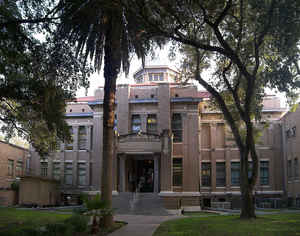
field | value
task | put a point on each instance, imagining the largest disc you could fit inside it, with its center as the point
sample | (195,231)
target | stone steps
(139,204)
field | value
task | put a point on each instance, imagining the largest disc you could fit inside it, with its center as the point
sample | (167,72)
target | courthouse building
(14,164)
(168,141)
(291,155)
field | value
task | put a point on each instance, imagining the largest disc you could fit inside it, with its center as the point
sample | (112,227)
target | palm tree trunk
(112,64)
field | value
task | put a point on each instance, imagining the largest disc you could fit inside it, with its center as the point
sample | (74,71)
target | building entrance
(145,175)
(141,175)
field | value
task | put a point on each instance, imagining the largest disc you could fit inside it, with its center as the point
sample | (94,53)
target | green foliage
(58,229)
(36,78)
(294,107)
(247,44)
(79,210)
(15,186)
(95,203)
(78,223)
(89,25)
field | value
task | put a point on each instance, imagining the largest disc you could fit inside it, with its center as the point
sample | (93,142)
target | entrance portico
(139,172)
(139,162)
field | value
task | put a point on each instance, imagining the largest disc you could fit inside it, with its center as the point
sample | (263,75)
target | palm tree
(102,28)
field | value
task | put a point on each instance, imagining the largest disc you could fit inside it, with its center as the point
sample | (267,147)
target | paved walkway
(140,225)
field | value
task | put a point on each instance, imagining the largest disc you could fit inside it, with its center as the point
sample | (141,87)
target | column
(122,173)
(89,137)
(89,148)
(122,111)
(213,132)
(75,138)
(156,174)
(75,155)
(166,161)
(97,151)
(144,123)
(115,167)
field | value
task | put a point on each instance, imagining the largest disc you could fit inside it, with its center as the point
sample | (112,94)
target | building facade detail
(168,141)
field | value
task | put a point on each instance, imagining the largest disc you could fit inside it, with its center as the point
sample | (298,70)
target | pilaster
(166,161)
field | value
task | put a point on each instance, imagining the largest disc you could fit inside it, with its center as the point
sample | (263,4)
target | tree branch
(221,103)
(233,92)
(223,13)
(28,21)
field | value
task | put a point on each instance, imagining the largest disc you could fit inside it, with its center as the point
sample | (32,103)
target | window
(69,145)
(81,174)
(264,173)
(82,138)
(91,137)
(135,123)
(156,77)
(68,173)
(297,202)
(151,123)
(296,168)
(177,172)
(206,174)
(221,174)
(116,123)
(44,169)
(291,132)
(57,146)
(140,79)
(11,167)
(91,173)
(235,173)
(28,165)
(56,170)
(19,168)
(177,127)
(289,169)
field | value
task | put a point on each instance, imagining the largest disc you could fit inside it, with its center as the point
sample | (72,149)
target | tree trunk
(112,64)
(248,206)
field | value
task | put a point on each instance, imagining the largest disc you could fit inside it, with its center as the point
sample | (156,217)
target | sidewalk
(140,225)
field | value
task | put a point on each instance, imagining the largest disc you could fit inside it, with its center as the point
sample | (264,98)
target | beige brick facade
(167,141)
(14,163)
(291,154)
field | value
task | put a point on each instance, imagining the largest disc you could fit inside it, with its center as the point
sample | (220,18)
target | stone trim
(114,192)
(178,194)
(197,194)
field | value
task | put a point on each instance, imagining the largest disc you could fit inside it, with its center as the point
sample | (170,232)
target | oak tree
(249,45)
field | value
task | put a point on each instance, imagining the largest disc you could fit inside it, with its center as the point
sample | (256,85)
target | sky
(161,58)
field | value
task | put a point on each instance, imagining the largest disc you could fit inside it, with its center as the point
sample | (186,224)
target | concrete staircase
(139,204)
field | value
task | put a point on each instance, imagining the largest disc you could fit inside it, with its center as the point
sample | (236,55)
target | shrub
(14,186)
(77,222)
(79,210)
(30,232)
(95,203)
(56,229)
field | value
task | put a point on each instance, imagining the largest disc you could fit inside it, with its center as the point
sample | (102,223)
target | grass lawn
(268,210)
(267,225)
(13,219)
(15,216)
(200,214)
